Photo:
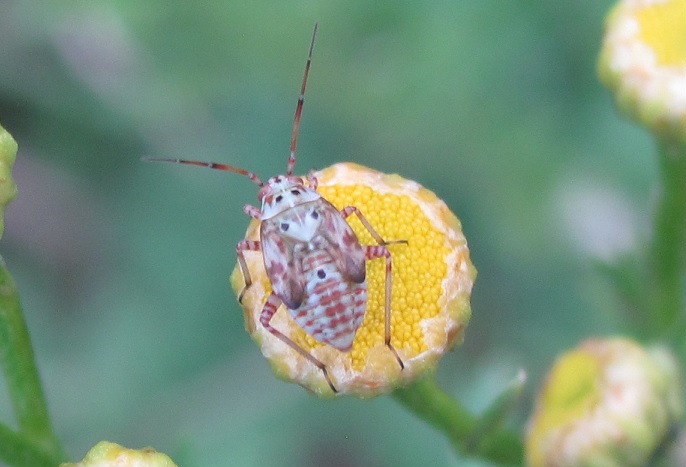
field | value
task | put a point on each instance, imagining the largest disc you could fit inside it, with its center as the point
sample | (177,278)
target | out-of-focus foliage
(123,266)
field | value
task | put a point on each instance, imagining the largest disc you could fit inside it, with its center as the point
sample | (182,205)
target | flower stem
(668,250)
(19,451)
(436,407)
(26,393)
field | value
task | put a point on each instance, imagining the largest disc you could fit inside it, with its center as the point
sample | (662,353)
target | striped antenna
(294,136)
(299,107)
(209,165)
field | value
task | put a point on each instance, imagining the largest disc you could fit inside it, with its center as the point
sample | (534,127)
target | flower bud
(608,402)
(432,278)
(643,61)
(107,454)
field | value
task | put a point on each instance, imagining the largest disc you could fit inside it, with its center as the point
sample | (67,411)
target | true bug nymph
(314,261)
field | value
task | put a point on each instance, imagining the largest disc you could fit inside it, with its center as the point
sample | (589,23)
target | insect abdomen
(334,307)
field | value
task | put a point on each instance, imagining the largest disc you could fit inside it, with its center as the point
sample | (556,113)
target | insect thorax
(284,192)
(298,224)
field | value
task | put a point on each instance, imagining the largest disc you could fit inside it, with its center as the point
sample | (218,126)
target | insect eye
(295,192)
(284,226)
(279,198)
(315,215)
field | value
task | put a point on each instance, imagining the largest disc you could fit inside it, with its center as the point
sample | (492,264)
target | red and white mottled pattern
(317,268)
(334,306)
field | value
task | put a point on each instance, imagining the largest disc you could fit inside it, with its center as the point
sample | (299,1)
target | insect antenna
(209,165)
(299,107)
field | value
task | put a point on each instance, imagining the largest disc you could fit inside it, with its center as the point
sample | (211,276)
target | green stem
(433,405)
(19,451)
(26,393)
(668,250)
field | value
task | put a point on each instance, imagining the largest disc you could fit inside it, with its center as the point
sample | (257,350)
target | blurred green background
(123,266)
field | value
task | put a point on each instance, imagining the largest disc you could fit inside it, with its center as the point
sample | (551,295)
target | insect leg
(270,307)
(247,245)
(378,251)
(241,248)
(348,210)
(253,212)
(312,181)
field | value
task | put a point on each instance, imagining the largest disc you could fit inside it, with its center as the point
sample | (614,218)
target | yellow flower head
(432,280)
(107,454)
(608,402)
(643,60)
(8,189)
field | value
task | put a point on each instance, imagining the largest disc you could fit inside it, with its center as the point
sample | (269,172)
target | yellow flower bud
(8,189)
(107,454)
(643,61)
(608,402)
(432,281)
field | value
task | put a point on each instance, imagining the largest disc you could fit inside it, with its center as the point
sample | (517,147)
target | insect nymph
(312,257)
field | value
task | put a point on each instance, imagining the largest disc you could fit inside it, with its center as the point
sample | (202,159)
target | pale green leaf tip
(8,189)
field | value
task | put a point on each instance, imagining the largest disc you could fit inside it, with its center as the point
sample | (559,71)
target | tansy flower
(432,278)
(608,402)
(8,189)
(643,60)
(106,454)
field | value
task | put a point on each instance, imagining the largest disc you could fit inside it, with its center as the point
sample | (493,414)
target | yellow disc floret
(663,29)
(432,279)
